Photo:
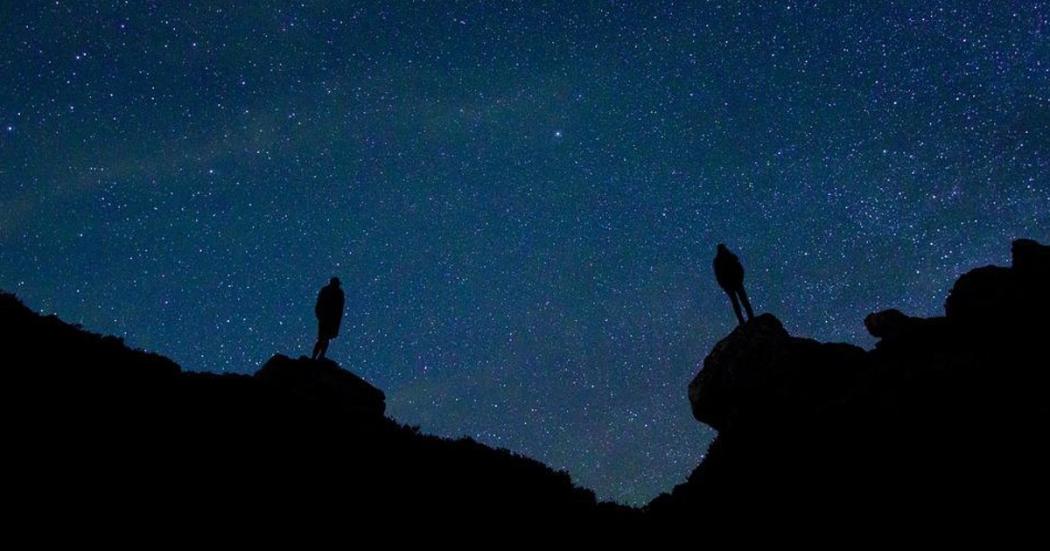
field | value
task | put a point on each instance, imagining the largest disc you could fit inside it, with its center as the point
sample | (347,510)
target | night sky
(521,199)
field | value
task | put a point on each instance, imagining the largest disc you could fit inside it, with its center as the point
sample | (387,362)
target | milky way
(521,199)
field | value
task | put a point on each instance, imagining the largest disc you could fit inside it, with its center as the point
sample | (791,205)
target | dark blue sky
(522,199)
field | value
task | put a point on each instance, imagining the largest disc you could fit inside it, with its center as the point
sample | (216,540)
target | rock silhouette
(324,382)
(756,370)
(943,421)
(302,445)
(942,424)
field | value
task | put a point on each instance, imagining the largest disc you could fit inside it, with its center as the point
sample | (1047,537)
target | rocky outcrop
(760,372)
(994,299)
(323,382)
(944,419)
(119,435)
(945,414)
(893,324)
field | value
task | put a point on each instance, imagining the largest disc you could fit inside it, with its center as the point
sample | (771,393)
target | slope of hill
(113,431)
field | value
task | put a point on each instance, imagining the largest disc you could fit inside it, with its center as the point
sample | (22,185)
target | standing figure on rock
(730,275)
(329,311)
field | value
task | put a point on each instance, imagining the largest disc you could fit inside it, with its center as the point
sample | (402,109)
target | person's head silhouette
(334,282)
(722,247)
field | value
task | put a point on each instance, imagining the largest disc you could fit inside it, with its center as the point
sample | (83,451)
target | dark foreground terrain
(943,423)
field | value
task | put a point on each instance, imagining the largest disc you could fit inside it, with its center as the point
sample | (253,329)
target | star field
(522,199)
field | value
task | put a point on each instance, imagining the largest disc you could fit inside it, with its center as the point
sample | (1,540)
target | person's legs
(320,348)
(736,307)
(747,303)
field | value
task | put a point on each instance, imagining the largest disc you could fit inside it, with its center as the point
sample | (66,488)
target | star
(560,291)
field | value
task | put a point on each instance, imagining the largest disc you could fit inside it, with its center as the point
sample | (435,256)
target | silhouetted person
(730,275)
(329,310)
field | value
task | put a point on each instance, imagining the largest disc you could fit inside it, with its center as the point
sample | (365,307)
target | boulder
(761,373)
(324,383)
(888,323)
(1002,299)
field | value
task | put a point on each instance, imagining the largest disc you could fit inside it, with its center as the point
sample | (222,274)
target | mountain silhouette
(944,421)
